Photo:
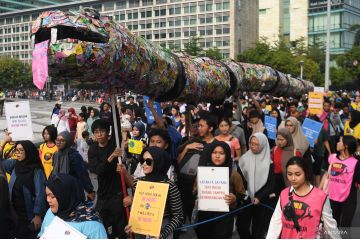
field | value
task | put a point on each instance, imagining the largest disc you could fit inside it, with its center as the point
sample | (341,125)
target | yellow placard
(135,146)
(148,207)
(268,108)
(316,100)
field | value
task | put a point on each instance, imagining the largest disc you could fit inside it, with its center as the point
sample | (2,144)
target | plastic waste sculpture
(88,46)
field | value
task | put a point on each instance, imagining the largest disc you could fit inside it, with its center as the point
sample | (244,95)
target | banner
(311,130)
(316,100)
(40,64)
(148,207)
(59,229)
(149,116)
(18,119)
(213,185)
(270,125)
(135,146)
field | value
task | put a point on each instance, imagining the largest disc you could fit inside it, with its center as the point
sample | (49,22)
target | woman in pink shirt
(225,136)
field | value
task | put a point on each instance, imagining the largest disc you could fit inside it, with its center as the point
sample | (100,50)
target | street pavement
(41,112)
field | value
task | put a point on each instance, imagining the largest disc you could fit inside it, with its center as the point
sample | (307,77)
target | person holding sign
(218,154)
(67,201)
(27,189)
(258,172)
(301,207)
(134,145)
(155,163)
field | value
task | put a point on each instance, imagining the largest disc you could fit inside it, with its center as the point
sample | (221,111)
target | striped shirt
(173,209)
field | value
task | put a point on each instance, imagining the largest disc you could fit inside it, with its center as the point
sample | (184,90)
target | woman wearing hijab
(27,189)
(63,123)
(73,119)
(218,154)
(300,140)
(281,153)
(138,134)
(258,173)
(352,126)
(67,201)
(69,161)
(156,163)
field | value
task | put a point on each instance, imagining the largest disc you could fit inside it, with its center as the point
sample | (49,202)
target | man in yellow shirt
(352,127)
(356,105)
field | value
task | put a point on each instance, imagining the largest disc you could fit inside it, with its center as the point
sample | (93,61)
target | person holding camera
(301,207)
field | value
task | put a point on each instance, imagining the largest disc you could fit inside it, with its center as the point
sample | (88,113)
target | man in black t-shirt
(103,161)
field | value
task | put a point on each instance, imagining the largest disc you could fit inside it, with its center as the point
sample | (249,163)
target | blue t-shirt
(91,229)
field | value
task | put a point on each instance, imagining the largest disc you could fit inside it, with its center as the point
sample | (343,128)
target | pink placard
(40,64)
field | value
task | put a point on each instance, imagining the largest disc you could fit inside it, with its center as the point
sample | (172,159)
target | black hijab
(161,164)
(205,159)
(71,199)
(25,169)
(355,118)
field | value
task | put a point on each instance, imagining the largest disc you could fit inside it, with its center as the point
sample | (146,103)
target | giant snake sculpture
(87,46)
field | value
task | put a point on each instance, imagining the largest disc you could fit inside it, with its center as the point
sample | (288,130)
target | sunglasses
(148,161)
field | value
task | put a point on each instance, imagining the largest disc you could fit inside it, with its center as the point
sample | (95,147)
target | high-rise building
(344,14)
(283,18)
(230,25)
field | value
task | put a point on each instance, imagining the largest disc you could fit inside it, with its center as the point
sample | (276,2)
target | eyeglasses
(60,140)
(148,161)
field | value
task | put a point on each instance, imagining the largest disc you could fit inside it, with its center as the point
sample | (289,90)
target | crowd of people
(286,187)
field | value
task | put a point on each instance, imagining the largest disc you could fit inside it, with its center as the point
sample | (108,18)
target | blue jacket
(35,205)
(91,229)
(78,170)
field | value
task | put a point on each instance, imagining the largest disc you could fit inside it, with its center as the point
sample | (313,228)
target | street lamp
(301,69)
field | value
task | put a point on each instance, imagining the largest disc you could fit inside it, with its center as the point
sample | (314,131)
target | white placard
(18,119)
(319,89)
(213,185)
(59,229)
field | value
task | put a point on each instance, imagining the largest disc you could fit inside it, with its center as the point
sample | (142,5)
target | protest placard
(270,125)
(148,208)
(135,146)
(59,229)
(316,100)
(213,185)
(311,130)
(18,119)
(149,115)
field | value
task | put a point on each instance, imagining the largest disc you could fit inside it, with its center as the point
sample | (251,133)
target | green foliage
(14,73)
(192,47)
(286,56)
(213,53)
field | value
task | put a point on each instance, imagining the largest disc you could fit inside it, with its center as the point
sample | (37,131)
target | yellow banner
(148,207)
(135,146)
(316,100)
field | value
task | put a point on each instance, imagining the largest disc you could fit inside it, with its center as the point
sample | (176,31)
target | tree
(192,47)
(213,53)
(356,27)
(284,56)
(14,73)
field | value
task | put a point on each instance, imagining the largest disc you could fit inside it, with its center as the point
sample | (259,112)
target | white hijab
(255,167)
(300,140)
